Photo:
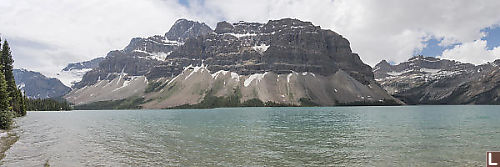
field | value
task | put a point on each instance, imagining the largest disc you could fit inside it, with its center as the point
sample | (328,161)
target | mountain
(36,85)
(74,72)
(429,80)
(142,54)
(285,61)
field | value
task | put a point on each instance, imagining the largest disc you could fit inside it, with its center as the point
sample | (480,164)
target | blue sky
(184,2)
(433,49)
(492,36)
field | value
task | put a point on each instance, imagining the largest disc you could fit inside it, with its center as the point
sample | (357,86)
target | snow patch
(252,77)
(241,35)
(261,48)
(196,69)
(173,79)
(72,76)
(235,76)
(141,51)
(395,73)
(22,85)
(203,67)
(428,70)
(288,78)
(216,74)
(161,56)
(125,84)
(169,42)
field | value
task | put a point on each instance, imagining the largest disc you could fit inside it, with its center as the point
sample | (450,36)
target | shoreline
(7,139)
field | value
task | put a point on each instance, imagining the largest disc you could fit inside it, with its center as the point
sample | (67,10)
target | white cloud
(472,52)
(78,30)
(495,52)
(46,35)
(382,29)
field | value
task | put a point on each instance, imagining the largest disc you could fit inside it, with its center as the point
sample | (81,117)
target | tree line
(12,100)
(47,105)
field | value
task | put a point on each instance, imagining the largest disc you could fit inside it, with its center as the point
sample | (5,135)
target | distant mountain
(74,72)
(84,65)
(36,85)
(429,80)
(142,54)
(285,61)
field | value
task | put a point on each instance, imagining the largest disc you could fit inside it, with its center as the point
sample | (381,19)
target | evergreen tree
(4,96)
(8,67)
(47,105)
(5,113)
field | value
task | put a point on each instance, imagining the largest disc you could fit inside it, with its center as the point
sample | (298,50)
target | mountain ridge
(36,85)
(290,58)
(429,80)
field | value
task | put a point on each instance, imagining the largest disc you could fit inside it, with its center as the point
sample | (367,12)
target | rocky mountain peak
(430,80)
(239,28)
(154,44)
(497,62)
(223,27)
(184,29)
(36,85)
(142,54)
(289,22)
(419,63)
(382,66)
(280,46)
(272,26)
(282,61)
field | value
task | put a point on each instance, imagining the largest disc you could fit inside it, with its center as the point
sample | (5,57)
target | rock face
(280,46)
(142,54)
(36,85)
(184,29)
(428,80)
(281,61)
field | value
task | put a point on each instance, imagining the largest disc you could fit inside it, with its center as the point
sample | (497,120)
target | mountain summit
(429,80)
(284,61)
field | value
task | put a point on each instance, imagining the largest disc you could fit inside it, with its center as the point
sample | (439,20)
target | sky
(47,35)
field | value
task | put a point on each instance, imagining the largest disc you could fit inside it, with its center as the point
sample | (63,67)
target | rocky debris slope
(36,85)
(192,85)
(282,61)
(428,80)
(104,90)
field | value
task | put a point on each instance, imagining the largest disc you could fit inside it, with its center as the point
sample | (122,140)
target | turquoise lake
(318,136)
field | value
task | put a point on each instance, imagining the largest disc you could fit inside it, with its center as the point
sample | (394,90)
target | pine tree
(5,113)
(1,57)
(7,63)
(8,67)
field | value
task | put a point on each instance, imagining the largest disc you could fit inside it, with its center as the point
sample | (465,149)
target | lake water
(326,136)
